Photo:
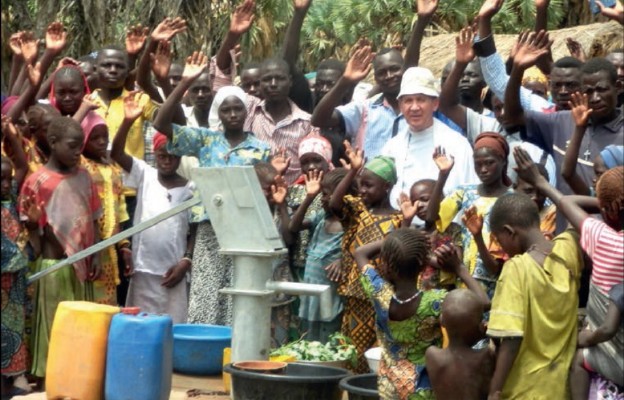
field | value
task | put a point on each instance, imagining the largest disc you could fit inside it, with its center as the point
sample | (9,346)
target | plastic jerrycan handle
(130,310)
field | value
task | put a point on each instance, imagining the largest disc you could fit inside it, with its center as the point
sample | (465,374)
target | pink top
(605,246)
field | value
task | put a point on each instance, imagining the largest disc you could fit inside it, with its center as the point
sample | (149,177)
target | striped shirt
(286,133)
(605,246)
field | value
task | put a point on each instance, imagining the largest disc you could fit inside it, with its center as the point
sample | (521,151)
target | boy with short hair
(460,371)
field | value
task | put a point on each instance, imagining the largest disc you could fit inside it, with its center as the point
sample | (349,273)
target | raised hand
(302,4)
(531,46)
(473,221)
(525,167)
(448,258)
(14,43)
(280,162)
(132,109)
(135,39)
(490,8)
(168,28)
(579,105)
(426,8)
(88,102)
(542,3)
(161,60)
(359,64)
(30,47)
(616,13)
(463,46)
(442,161)
(56,37)
(196,63)
(8,128)
(575,49)
(408,208)
(355,156)
(279,190)
(67,61)
(243,17)
(313,182)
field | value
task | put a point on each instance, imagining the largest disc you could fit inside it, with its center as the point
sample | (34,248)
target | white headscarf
(226,91)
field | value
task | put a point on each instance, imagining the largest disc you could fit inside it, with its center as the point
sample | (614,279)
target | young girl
(482,254)
(158,283)
(324,248)
(39,117)
(603,242)
(548,213)
(107,179)
(366,218)
(14,266)
(612,156)
(68,207)
(407,320)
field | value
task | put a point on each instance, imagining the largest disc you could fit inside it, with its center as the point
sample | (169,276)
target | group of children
(472,295)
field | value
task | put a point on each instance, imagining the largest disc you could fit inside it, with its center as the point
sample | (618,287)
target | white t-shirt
(160,247)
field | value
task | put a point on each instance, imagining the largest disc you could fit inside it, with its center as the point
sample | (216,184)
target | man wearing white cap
(412,148)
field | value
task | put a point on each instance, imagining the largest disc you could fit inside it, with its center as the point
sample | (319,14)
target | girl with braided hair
(407,319)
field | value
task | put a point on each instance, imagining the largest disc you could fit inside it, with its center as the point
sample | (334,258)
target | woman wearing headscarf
(227,145)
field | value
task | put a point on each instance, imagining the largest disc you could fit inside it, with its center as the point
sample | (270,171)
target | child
(612,156)
(407,320)
(60,206)
(39,117)
(482,255)
(460,371)
(535,305)
(14,266)
(324,248)
(158,283)
(366,218)
(107,179)
(548,214)
(418,204)
(603,242)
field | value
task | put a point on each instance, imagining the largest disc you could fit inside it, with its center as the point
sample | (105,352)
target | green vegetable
(338,348)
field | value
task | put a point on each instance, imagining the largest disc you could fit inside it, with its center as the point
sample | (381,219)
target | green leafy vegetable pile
(338,348)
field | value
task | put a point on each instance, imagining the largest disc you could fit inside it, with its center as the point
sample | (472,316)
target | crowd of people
(460,221)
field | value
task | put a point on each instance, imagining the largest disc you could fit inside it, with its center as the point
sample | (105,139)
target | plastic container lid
(131,310)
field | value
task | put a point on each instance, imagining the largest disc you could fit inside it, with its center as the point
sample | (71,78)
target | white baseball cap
(418,80)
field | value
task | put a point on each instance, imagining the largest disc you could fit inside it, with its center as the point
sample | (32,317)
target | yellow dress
(539,305)
(107,180)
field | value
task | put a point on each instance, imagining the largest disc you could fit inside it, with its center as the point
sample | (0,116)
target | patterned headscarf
(90,121)
(316,144)
(159,141)
(384,167)
(497,143)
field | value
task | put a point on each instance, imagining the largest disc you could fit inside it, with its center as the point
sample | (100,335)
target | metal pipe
(306,289)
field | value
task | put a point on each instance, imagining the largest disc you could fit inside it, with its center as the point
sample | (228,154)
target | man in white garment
(412,148)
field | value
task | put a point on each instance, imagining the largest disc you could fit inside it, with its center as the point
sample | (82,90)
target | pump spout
(306,289)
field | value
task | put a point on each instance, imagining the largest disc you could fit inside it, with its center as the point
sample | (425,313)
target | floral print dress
(402,374)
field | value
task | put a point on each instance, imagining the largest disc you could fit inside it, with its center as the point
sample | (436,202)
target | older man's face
(418,110)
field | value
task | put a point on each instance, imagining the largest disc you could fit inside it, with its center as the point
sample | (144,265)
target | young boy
(460,371)
(60,206)
(534,309)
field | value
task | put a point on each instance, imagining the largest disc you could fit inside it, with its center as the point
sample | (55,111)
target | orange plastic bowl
(273,367)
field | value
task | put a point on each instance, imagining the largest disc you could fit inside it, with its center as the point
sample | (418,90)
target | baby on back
(461,371)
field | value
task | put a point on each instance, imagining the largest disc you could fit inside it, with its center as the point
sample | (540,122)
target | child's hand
(175,274)
(243,17)
(126,255)
(579,105)
(196,63)
(345,164)
(442,161)
(334,271)
(135,39)
(15,43)
(132,109)
(88,102)
(280,162)
(448,258)
(30,47)
(33,211)
(313,182)
(95,268)
(56,37)
(408,208)
(168,28)
(279,190)
(161,60)
(65,61)
(355,156)
(8,128)
(525,167)
(473,221)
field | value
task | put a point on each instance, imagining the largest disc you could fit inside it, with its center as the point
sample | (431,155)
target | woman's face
(68,92)
(232,113)
(488,166)
(313,162)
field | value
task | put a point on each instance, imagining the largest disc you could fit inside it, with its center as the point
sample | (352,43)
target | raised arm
(195,65)
(449,99)
(356,159)
(135,42)
(474,222)
(313,188)
(33,74)
(486,13)
(358,67)
(55,41)
(17,61)
(290,52)
(531,46)
(616,13)
(426,9)
(364,254)
(445,165)
(132,111)
(242,18)
(581,112)
(18,157)
(545,62)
